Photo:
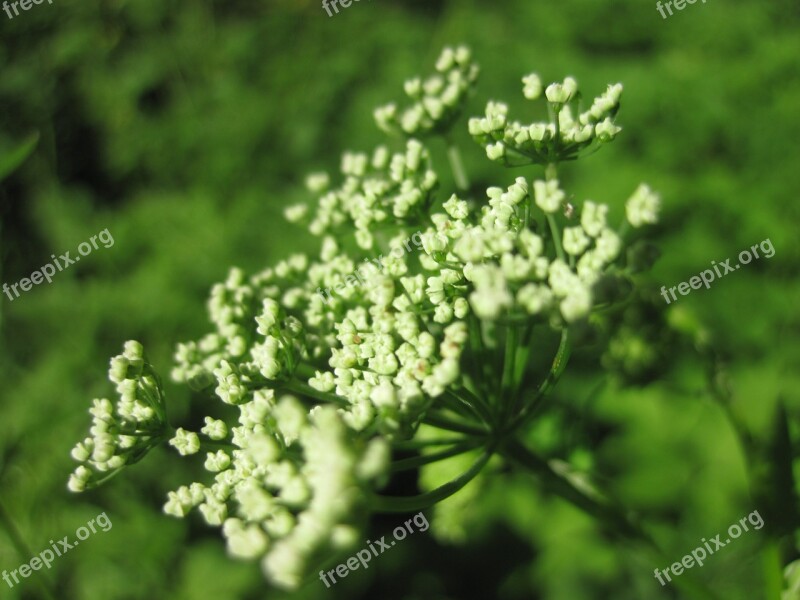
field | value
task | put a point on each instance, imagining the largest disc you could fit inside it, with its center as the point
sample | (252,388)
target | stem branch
(457,166)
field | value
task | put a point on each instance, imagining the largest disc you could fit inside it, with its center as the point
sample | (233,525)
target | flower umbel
(436,101)
(567,134)
(326,390)
(124,431)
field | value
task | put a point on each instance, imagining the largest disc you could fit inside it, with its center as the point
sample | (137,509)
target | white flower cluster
(230,306)
(510,271)
(291,477)
(255,340)
(437,101)
(567,134)
(388,366)
(373,345)
(287,488)
(121,432)
(384,189)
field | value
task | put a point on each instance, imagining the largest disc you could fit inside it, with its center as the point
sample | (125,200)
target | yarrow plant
(433,355)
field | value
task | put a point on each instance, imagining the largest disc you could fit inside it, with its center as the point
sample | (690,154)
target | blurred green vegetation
(185,128)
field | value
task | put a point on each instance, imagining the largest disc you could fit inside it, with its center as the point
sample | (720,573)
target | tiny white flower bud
(185,442)
(495,151)
(532,86)
(446,60)
(413,87)
(606,130)
(593,217)
(215,429)
(317,183)
(548,195)
(643,206)
(577,304)
(217,461)
(575,241)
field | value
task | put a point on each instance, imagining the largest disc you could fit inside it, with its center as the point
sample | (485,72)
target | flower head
(322,363)
(437,101)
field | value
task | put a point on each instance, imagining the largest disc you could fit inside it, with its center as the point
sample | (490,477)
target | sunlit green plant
(429,351)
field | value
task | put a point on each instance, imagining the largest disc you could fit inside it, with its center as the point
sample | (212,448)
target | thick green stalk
(460,407)
(507,384)
(476,409)
(418,444)
(446,423)
(479,403)
(614,517)
(417,461)
(401,504)
(556,233)
(557,484)
(556,370)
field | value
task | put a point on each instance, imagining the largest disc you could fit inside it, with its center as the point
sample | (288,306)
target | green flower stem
(23,551)
(556,111)
(461,407)
(457,165)
(527,157)
(417,444)
(521,362)
(720,390)
(442,422)
(154,442)
(556,370)
(556,233)
(478,409)
(507,383)
(476,355)
(406,464)
(479,403)
(402,504)
(304,370)
(289,350)
(589,500)
(526,339)
(90,485)
(550,174)
(302,388)
(772,567)
(526,218)
(154,400)
(773,558)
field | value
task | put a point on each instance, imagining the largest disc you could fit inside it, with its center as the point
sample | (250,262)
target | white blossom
(642,207)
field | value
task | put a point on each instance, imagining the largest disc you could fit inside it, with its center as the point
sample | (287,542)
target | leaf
(11,161)
(778,491)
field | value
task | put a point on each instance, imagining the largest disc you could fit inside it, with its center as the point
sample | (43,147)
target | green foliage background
(185,128)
